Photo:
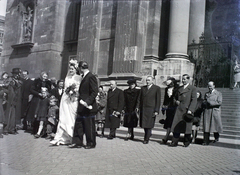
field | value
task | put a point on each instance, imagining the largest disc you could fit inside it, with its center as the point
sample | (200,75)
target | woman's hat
(131,81)
(16,71)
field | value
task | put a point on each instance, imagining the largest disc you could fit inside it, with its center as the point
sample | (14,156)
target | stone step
(158,135)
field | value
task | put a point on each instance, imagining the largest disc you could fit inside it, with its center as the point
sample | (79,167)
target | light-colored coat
(188,101)
(212,115)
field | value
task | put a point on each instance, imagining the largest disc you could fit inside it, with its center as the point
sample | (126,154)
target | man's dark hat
(83,64)
(162,121)
(131,81)
(16,71)
(188,117)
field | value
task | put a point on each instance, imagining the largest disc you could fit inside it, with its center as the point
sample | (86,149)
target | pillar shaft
(178,29)
(196,20)
(130,36)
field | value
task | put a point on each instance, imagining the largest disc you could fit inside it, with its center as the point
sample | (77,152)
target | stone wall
(43,52)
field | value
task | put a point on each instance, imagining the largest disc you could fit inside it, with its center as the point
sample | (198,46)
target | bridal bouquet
(72,92)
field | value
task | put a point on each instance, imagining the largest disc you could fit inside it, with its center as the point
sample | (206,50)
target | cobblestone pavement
(22,154)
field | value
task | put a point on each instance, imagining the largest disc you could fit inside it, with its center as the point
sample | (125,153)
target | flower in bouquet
(72,92)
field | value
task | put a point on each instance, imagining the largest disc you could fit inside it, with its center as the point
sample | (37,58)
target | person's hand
(189,112)
(177,102)
(137,110)
(117,113)
(35,116)
(163,110)
(30,97)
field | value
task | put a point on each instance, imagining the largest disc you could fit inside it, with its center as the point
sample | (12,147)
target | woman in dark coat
(130,117)
(169,107)
(38,83)
(197,116)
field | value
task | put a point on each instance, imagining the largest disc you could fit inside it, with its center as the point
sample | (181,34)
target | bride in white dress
(68,106)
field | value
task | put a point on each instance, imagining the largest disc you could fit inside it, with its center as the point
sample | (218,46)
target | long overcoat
(115,102)
(212,115)
(149,103)
(13,111)
(26,91)
(35,90)
(188,101)
(130,98)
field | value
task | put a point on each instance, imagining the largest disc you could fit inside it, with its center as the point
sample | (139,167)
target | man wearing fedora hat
(186,101)
(13,111)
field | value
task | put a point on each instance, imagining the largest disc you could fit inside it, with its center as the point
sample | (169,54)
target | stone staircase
(230,112)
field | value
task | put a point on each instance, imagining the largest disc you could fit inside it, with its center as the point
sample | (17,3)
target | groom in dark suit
(87,109)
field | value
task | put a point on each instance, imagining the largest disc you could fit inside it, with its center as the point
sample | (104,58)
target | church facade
(120,39)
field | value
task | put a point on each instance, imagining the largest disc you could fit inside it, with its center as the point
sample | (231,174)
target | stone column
(176,63)
(197,20)
(178,29)
(129,46)
(153,30)
(89,32)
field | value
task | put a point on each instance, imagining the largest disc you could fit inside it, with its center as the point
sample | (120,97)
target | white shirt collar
(84,74)
(186,85)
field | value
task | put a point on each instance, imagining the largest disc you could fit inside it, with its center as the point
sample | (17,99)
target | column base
(175,67)
(176,56)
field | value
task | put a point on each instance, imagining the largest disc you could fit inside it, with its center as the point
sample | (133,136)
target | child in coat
(41,111)
(52,115)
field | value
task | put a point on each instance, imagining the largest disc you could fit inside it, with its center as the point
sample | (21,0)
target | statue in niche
(27,24)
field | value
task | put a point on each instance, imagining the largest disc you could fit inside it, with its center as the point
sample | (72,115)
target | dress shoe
(101,136)
(5,133)
(48,137)
(110,137)
(173,144)
(205,144)
(216,140)
(37,136)
(186,144)
(74,145)
(89,147)
(145,142)
(13,132)
(164,142)
(127,137)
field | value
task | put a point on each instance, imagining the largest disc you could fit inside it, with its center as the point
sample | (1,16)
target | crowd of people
(66,110)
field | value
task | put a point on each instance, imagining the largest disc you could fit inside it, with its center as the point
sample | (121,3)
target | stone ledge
(22,45)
